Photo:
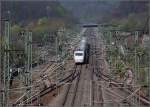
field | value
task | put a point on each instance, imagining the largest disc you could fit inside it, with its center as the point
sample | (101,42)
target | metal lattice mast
(56,46)
(6,66)
(136,57)
(148,78)
(0,59)
(28,63)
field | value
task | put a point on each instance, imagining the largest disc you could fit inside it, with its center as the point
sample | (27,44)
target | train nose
(78,60)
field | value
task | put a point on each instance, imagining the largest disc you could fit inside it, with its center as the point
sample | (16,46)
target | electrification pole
(28,62)
(6,66)
(0,58)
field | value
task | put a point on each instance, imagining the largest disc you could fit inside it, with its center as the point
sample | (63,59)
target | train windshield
(79,54)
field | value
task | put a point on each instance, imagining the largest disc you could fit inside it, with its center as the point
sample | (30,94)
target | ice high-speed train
(81,53)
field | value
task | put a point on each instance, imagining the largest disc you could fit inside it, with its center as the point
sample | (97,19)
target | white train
(81,53)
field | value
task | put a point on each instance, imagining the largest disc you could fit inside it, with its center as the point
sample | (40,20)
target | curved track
(120,95)
(84,91)
(89,84)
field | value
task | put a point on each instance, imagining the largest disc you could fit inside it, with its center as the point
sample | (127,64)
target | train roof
(82,44)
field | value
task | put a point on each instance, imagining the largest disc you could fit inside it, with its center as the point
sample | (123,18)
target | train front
(79,56)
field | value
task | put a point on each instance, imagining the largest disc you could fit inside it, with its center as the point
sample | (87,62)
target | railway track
(84,86)
(46,73)
(76,91)
(52,87)
(77,87)
(83,90)
(128,94)
(71,89)
(97,96)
